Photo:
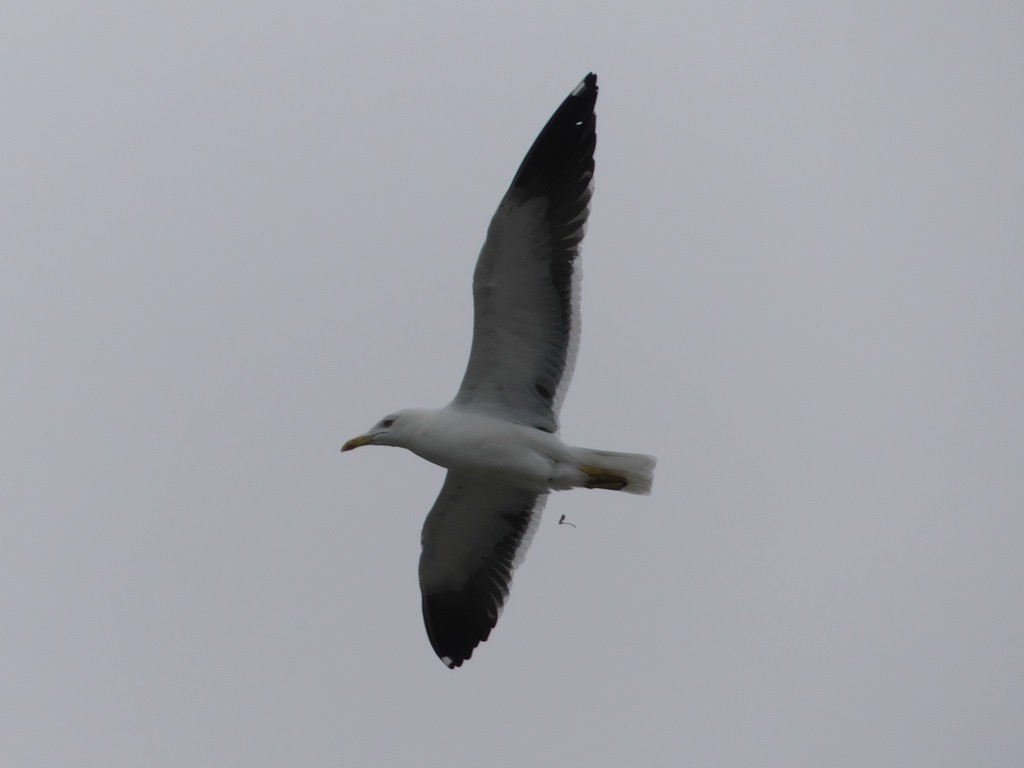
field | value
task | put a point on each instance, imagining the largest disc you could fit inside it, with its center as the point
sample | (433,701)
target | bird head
(387,431)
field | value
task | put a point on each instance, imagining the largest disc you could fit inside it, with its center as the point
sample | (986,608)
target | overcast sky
(234,235)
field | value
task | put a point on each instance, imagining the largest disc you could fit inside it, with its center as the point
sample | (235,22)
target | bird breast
(477,443)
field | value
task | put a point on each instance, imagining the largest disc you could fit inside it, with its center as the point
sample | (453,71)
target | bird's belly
(514,454)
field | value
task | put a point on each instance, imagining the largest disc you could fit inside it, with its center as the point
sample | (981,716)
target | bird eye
(387,422)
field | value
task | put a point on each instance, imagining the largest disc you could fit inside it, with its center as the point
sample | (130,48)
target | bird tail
(614,471)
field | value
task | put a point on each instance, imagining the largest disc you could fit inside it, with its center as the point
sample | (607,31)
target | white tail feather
(636,468)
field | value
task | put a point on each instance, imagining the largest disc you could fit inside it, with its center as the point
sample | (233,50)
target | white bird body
(479,444)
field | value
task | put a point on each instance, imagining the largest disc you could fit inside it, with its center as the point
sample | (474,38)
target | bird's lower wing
(473,539)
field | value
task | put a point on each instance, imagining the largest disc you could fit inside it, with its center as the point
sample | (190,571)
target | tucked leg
(604,479)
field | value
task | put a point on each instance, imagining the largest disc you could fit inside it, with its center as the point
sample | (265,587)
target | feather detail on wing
(473,539)
(526,284)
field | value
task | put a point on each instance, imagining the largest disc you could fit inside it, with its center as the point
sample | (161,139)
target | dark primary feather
(526,326)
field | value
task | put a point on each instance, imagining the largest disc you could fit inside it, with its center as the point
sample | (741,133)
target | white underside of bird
(485,446)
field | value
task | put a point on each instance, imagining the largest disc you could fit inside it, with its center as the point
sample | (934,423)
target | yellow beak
(355,442)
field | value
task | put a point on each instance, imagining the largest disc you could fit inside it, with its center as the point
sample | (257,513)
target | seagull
(499,438)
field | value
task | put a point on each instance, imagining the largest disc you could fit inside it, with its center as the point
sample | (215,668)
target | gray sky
(235,236)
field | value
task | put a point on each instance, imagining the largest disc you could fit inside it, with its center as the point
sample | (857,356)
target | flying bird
(499,438)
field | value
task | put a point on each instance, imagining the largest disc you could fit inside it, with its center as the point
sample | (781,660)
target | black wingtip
(563,153)
(456,623)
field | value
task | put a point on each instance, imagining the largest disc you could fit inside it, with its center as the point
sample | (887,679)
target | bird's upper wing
(526,284)
(473,538)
